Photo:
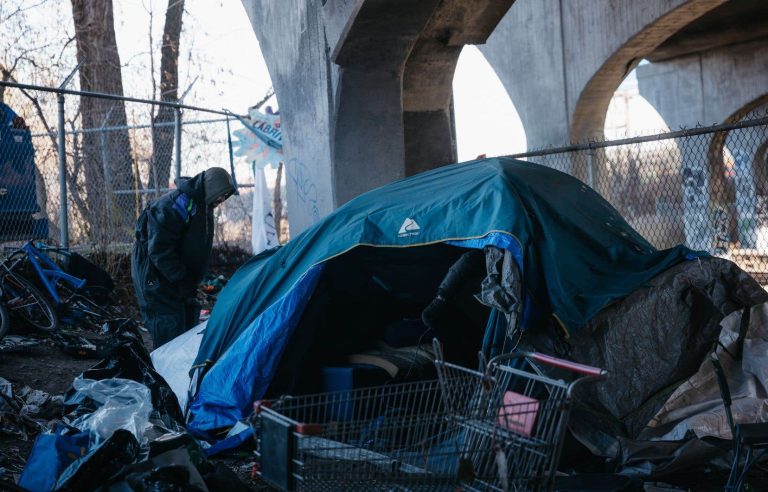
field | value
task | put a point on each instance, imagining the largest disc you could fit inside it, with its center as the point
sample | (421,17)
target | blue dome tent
(574,251)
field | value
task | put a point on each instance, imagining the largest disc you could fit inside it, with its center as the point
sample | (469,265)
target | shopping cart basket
(512,418)
(465,429)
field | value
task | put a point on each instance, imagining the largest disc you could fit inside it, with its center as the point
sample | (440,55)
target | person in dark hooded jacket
(174,235)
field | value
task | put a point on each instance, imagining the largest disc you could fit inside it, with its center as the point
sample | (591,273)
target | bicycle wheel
(23,300)
(78,305)
(5,322)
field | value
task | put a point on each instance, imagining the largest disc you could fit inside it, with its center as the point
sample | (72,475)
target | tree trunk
(162,133)
(107,155)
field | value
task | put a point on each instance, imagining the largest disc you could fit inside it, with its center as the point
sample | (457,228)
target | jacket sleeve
(165,232)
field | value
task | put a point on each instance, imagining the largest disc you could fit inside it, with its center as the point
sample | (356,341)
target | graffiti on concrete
(698,228)
(306,190)
(746,199)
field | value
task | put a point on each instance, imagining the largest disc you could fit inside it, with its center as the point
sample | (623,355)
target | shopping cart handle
(259,404)
(566,364)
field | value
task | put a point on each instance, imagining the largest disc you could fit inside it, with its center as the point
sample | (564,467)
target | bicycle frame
(49,272)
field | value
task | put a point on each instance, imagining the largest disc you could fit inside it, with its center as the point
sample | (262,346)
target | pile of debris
(118,428)
(26,412)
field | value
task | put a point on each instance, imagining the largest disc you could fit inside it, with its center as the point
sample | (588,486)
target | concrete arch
(588,115)
(760,160)
(428,78)
(562,86)
(486,119)
(340,69)
(715,152)
(397,60)
(734,186)
(367,134)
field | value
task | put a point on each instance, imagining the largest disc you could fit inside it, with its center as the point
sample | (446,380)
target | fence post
(107,175)
(177,141)
(107,178)
(231,158)
(63,210)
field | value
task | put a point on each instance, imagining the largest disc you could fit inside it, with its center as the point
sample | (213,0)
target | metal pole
(231,159)
(177,141)
(107,177)
(63,213)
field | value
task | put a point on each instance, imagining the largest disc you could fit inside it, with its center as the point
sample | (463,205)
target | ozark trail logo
(409,228)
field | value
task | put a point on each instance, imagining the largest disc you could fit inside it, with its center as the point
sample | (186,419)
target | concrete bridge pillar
(364,88)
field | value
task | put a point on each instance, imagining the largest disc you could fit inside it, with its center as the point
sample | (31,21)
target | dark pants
(166,312)
(167,317)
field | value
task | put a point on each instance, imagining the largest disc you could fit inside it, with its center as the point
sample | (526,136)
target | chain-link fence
(118,154)
(704,187)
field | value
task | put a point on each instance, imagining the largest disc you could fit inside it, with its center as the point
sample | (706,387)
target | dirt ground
(46,367)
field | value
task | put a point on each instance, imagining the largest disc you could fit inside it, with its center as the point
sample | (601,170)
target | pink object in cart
(518,413)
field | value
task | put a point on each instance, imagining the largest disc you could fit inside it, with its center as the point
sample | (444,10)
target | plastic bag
(129,359)
(174,360)
(122,404)
(50,455)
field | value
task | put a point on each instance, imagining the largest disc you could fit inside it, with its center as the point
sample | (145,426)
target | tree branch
(267,97)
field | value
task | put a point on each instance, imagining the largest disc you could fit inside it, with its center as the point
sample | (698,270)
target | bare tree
(107,155)
(162,133)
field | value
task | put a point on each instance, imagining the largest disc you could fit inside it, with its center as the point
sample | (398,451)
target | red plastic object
(566,364)
(259,404)
(309,429)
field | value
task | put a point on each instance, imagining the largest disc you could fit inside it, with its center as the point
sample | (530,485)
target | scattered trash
(50,455)
(93,469)
(213,284)
(122,404)
(208,292)
(75,344)
(26,412)
(17,343)
(122,431)
(127,358)
(11,464)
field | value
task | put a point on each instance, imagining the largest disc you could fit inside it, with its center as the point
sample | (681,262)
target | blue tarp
(575,252)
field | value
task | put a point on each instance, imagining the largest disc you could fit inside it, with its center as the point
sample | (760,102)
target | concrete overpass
(364,86)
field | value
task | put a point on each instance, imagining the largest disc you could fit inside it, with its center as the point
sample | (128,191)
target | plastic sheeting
(658,337)
(651,343)
(697,407)
(50,455)
(122,404)
(174,360)
(101,462)
(129,359)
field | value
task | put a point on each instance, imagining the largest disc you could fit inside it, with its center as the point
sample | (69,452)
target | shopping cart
(512,416)
(496,429)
